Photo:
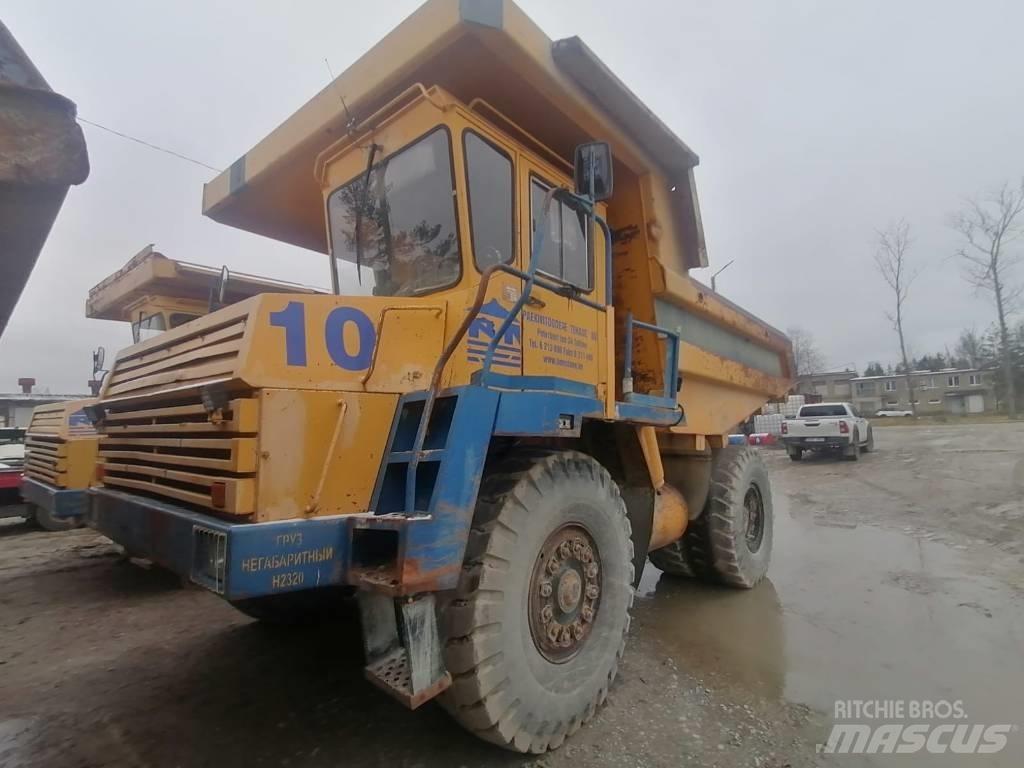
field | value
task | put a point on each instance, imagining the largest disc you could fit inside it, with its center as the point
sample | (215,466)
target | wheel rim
(753,503)
(565,593)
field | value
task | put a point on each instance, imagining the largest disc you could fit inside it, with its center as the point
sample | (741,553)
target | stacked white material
(771,423)
(770,408)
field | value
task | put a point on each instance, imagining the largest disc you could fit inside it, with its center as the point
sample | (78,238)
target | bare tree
(806,355)
(893,264)
(969,348)
(988,226)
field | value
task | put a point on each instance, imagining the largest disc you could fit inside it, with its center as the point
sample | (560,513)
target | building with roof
(16,407)
(835,386)
(952,390)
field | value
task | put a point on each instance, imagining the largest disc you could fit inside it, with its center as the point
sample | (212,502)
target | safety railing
(670,381)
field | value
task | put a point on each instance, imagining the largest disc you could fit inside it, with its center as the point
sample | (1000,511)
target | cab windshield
(147,327)
(397,222)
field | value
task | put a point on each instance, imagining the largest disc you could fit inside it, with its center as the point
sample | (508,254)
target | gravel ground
(899,576)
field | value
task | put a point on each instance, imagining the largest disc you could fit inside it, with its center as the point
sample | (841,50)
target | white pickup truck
(827,427)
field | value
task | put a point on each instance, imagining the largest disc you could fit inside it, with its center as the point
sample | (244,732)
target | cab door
(563,328)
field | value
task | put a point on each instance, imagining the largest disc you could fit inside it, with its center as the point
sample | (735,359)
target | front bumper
(236,560)
(59,502)
(831,443)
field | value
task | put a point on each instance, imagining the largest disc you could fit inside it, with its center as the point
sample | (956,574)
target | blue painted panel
(646,414)
(434,549)
(259,558)
(543,413)
(59,502)
(539,383)
(652,400)
(269,558)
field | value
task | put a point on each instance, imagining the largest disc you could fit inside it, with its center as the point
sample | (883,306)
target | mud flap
(403,647)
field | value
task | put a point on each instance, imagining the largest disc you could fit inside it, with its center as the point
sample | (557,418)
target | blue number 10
(293,319)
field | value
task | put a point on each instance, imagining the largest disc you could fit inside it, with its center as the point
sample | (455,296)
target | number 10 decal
(293,319)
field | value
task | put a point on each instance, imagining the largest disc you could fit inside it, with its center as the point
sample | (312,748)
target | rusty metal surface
(42,153)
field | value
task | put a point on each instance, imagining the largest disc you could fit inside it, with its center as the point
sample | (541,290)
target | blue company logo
(509,351)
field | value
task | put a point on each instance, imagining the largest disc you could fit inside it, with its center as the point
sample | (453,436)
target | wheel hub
(565,592)
(754,506)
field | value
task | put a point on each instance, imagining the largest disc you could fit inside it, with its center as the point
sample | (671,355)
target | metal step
(403,660)
(393,674)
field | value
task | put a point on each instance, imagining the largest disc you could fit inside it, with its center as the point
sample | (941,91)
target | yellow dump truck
(153,293)
(486,449)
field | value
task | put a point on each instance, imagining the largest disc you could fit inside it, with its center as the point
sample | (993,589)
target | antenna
(350,122)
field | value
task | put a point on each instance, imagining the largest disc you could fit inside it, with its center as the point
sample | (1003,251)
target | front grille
(46,459)
(208,353)
(180,452)
(46,442)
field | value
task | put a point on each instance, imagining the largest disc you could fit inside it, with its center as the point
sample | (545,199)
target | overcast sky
(816,124)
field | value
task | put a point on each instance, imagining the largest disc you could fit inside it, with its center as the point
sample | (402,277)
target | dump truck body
(535,381)
(42,153)
(153,293)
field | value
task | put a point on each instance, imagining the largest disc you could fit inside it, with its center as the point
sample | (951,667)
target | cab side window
(489,181)
(565,252)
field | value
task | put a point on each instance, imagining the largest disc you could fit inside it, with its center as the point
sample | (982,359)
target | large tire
(795,454)
(723,545)
(869,446)
(48,522)
(543,519)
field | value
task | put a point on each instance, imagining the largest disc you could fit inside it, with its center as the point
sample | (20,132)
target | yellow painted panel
(421,330)
(301,445)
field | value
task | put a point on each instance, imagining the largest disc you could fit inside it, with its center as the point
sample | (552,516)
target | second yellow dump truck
(486,449)
(153,293)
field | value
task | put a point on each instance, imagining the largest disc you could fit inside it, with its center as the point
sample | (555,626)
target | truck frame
(486,449)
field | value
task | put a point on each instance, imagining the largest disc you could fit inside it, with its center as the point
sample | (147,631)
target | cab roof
(151,274)
(560,92)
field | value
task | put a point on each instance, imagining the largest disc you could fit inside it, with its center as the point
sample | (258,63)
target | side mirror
(99,357)
(220,289)
(592,170)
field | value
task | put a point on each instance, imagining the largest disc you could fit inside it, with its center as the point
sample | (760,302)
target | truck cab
(532,398)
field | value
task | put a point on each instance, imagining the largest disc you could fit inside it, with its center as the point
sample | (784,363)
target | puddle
(853,612)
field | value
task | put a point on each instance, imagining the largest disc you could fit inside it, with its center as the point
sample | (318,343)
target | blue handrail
(669,385)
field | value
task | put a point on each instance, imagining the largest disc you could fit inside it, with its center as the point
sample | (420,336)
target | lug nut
(564,549)
(566,637)
(593,591)
(545,589)
(587,613)
(546,614)
(552,565)
(592,571)
(577,630)
(553,633)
